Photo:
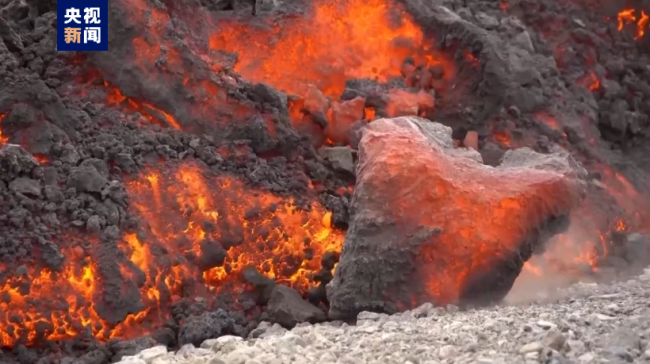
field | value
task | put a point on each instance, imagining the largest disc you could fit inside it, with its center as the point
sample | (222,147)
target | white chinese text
(72,15)
(92,34)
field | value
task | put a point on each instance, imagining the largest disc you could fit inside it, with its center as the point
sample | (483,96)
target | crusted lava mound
(431,223)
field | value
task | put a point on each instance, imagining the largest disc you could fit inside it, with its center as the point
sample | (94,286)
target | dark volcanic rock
(119,296)
(86,179)
(26,186)
(209,325)
(15,161)
(423,211)
(263,286)
(288,309)
(212,255)
(341,158)
(130,347)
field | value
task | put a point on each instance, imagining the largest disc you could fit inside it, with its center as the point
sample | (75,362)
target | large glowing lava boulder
(431,223)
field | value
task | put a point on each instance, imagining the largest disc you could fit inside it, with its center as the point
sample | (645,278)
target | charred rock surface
(288,309)
(474,227)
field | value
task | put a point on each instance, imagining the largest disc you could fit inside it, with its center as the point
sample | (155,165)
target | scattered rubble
(594,323)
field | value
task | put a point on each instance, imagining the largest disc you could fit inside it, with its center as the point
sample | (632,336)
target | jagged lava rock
(15,161)
(288,309)
(431,223)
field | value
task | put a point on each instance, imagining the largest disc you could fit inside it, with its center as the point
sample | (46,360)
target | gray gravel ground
(591,323)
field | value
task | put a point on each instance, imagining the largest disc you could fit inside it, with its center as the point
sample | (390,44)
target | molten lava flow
(624,17)
(3,138)
(641,25)
(164,68)
(41,159)
(114,97)
(256,229)
(628,16)
(634,203)
(590,81)
(404,103)
(502,138)
(210,229)
(46,305)
(49,305)
(336,41)
(369,113)
(548,120)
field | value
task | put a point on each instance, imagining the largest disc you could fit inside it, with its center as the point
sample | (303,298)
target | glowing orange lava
(3,138)
(27,319)
(41,159)
(482,219)
(204,231)
(590,81)
(188,214)
(628,16)
(502,138)
(274,240)
(548,120)
(337,41)
(370,113)
(114,97)
(633,202)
